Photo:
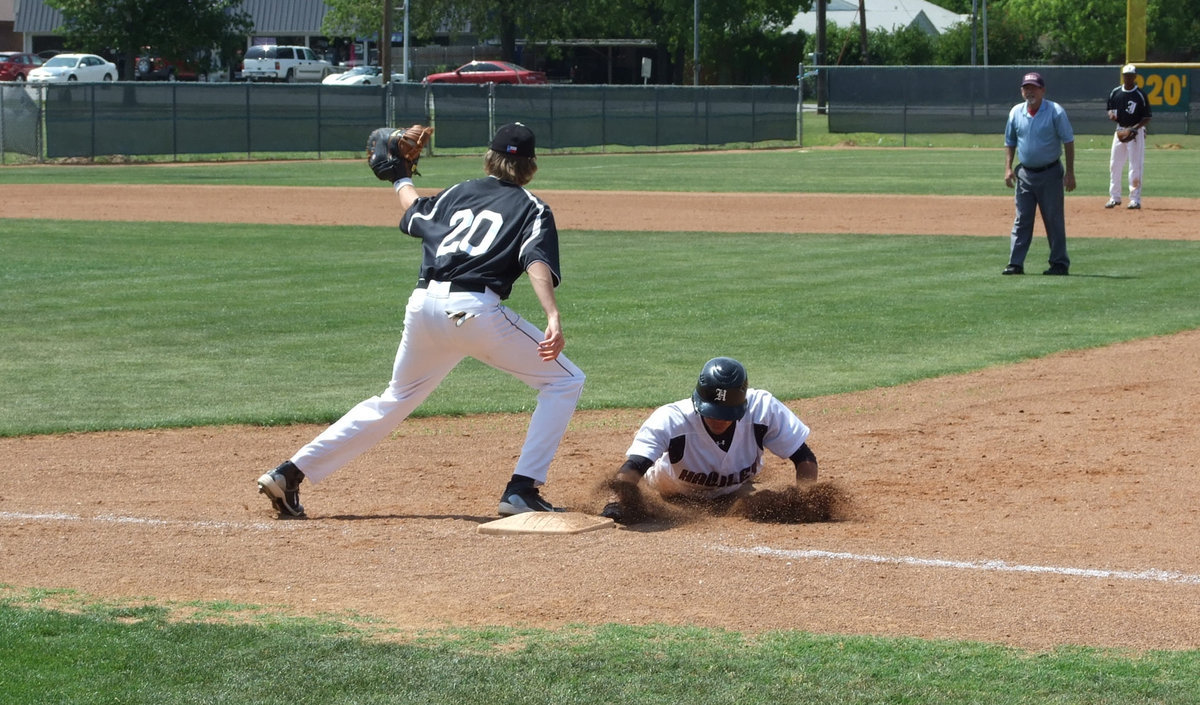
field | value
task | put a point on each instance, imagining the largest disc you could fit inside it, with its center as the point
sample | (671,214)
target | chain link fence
(90,120)
(976,99)
(171,119)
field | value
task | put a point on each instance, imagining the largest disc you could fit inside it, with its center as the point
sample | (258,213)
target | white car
(73,67)
(361,76)
(270,62)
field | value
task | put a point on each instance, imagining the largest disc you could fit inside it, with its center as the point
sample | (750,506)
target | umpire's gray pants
(1044,190)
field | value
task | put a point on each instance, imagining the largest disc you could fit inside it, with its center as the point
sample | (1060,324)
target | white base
(546,523)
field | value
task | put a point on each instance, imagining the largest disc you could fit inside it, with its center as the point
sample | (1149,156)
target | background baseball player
(1128,107)
(709,447)
(477,238)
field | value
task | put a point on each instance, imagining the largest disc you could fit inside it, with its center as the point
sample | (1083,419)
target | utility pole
(819,58)
(407,78)
(974,28)
(862,30)
(385,42)
(985,49)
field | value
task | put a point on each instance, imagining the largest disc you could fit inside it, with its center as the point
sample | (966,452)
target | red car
(152,67)
(15,66)
(488,72)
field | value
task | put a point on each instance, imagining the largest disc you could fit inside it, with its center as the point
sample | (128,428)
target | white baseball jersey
(689,461)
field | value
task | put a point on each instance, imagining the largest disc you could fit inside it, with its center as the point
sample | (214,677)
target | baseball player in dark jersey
(1128,107)
(478,237)
(709,447)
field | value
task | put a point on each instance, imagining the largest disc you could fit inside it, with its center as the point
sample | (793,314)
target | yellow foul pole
(1135,30)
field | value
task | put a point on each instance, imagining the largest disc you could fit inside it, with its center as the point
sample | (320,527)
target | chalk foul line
(1152,575)
(997,566)
(143,521)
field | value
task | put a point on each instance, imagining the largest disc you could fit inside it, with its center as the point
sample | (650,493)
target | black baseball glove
(393,154)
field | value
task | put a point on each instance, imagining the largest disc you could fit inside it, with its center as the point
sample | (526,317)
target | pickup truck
(270,62)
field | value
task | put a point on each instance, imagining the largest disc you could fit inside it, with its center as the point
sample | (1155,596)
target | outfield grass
(956,172)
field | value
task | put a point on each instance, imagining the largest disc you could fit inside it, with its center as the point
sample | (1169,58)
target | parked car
(151,67)
(270,62)
(15,66)
(361,76)
(73,67)
(488,72)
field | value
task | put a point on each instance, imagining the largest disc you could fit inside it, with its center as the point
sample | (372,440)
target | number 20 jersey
(483,232)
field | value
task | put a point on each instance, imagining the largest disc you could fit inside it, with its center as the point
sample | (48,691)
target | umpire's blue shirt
(1038,138)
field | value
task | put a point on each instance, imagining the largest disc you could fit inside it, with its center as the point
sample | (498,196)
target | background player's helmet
(721,390)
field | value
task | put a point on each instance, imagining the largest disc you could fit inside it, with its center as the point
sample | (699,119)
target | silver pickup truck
(270,62)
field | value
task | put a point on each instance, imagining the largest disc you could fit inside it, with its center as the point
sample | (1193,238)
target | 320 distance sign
(1166,89)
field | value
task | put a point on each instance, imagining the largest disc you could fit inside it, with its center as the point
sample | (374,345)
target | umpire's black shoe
(1056,270)
(282,487)
(522,496)
(1013,269)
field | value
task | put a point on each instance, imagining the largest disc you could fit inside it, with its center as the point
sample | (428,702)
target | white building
(888,15)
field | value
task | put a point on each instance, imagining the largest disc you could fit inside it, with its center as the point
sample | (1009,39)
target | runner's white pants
(440,329)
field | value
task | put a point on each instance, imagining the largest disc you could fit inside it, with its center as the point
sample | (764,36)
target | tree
(353,18)
(1173,27)
(1075,31)
(733,32)
(1009,42)
(174,28)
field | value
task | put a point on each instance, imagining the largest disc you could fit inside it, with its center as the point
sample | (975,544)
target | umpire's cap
(515,140)
(721,390)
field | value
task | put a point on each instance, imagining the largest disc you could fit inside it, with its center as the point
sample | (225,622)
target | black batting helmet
(721,390)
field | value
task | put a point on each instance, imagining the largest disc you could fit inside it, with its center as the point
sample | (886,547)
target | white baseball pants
(1134,152)
(440,329)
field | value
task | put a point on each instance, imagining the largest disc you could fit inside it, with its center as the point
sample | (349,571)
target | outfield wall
(976,99)
(170,119)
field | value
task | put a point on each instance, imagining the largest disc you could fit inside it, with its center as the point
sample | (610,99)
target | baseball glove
(393,154)
(1125,134)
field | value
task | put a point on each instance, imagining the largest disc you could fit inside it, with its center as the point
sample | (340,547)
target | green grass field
(113,653)
(948,171)
(133,325)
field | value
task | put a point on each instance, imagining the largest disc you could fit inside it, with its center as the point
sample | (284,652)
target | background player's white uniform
(687,459)
(1129,107)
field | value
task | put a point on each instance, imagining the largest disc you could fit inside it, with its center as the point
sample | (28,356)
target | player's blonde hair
(517,170)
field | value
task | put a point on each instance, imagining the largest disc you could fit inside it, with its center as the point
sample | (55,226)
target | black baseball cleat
(282,487)
(522,496)
(1056,270)
(1013,269)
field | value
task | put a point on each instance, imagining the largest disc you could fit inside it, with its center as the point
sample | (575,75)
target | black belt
(456,287)
(1039,169)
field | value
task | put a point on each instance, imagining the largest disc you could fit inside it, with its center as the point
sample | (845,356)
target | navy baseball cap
(1033,78)
(515,140)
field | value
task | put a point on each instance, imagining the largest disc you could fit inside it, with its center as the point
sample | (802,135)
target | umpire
(1038,134)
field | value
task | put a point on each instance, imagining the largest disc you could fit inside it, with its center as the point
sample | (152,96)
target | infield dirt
(1050,502)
